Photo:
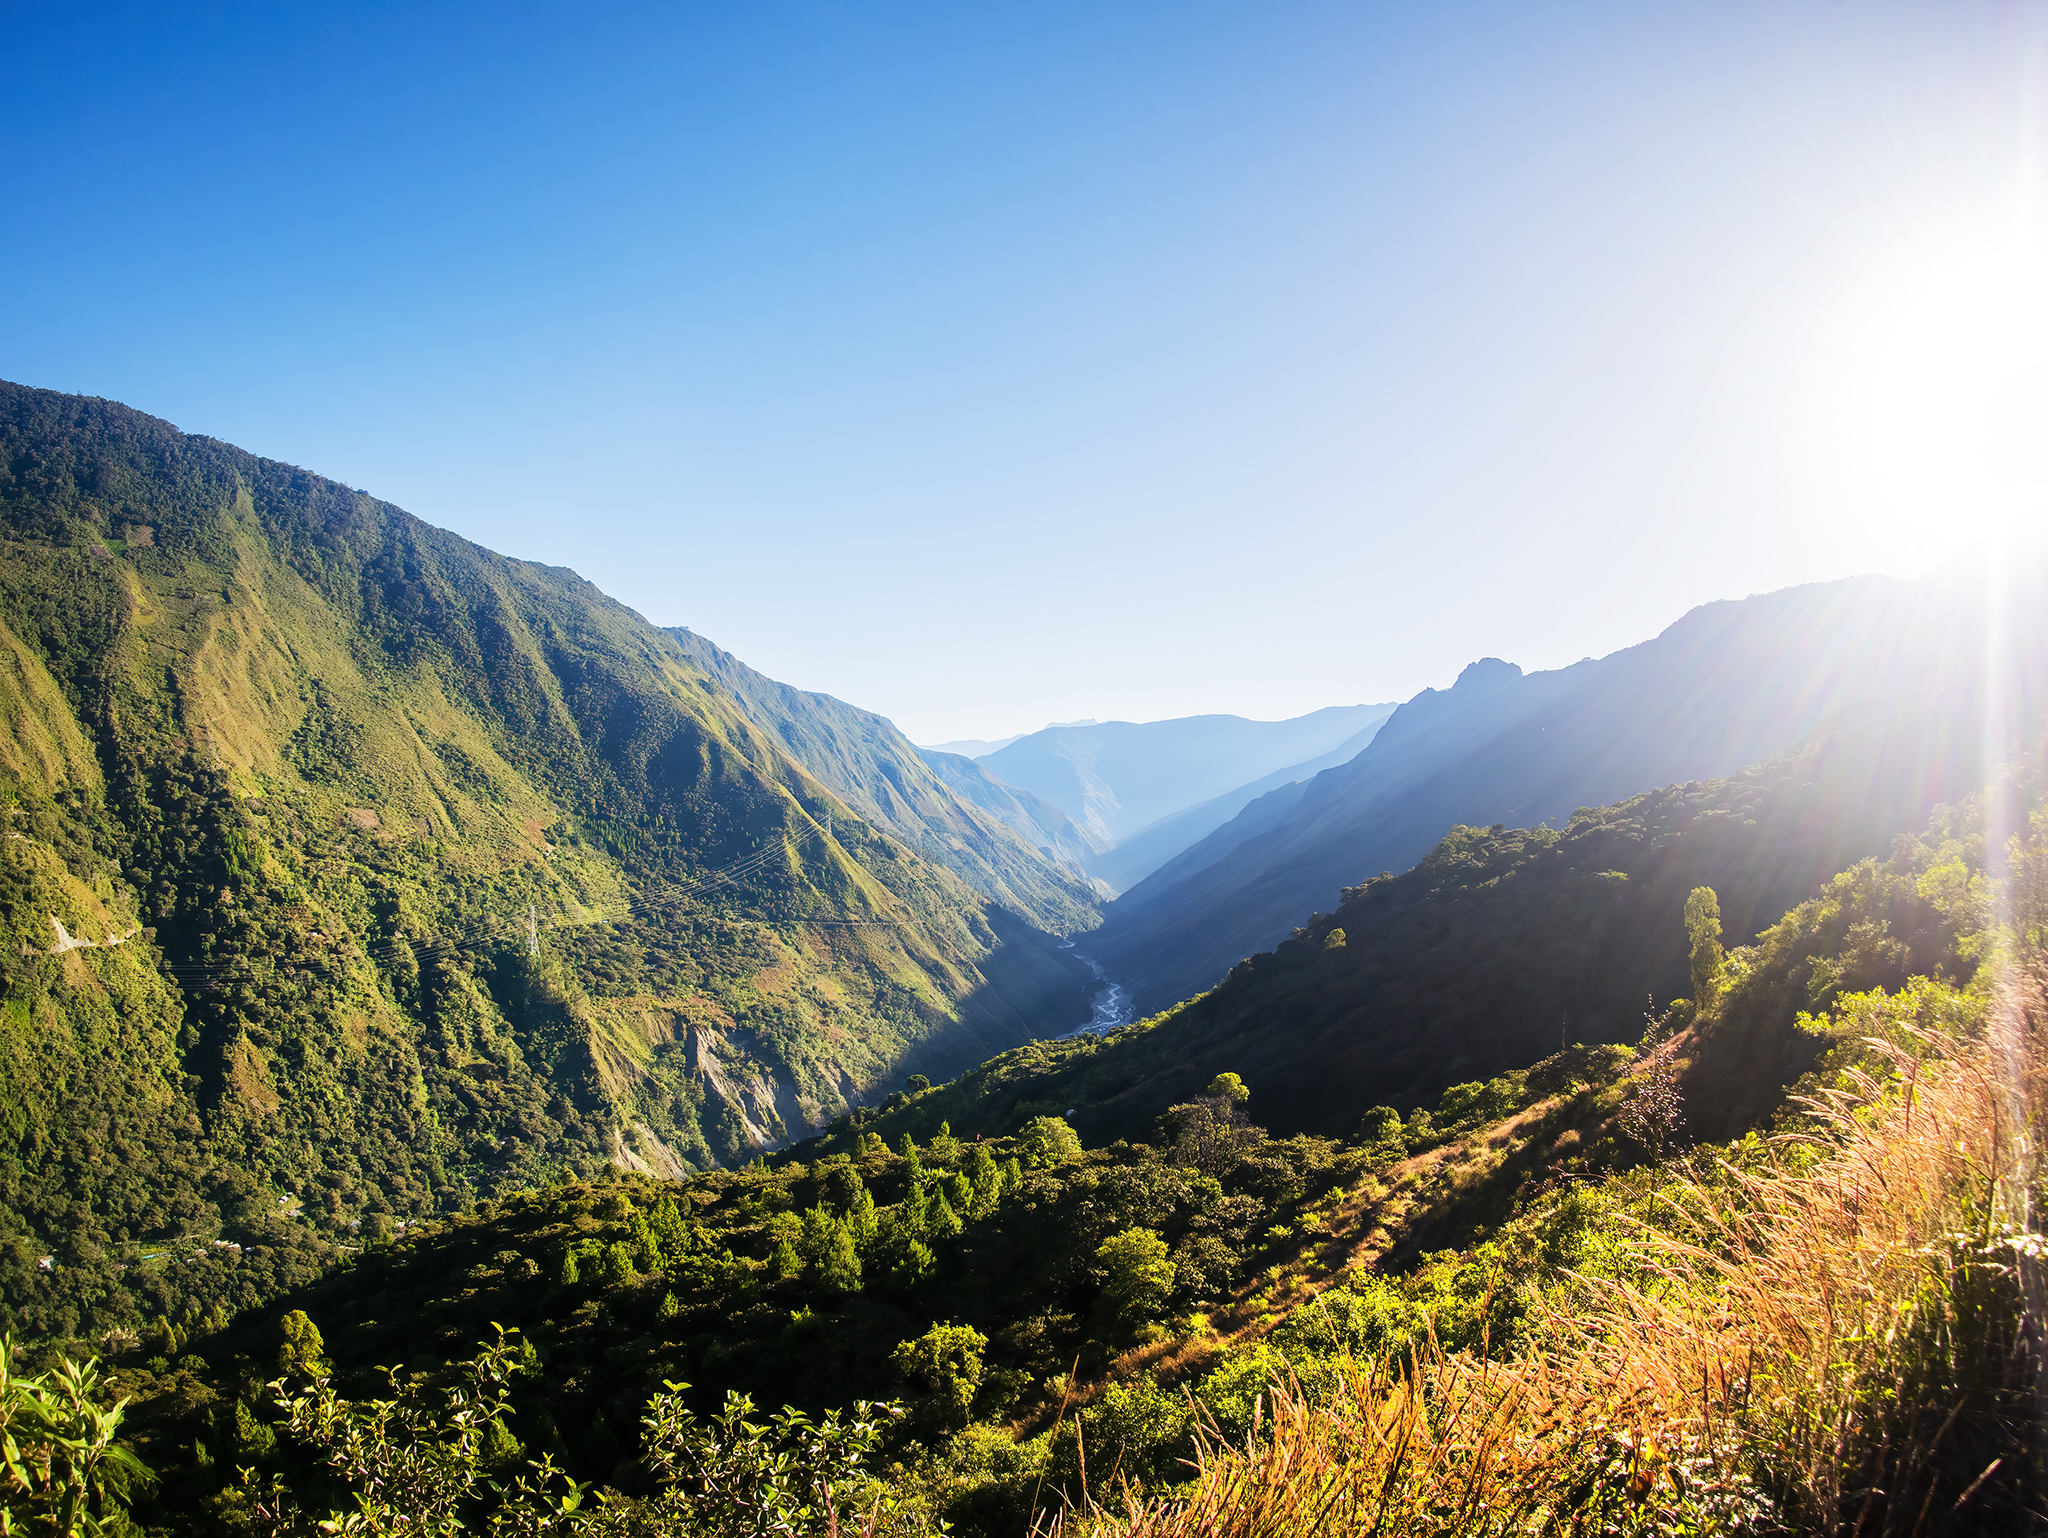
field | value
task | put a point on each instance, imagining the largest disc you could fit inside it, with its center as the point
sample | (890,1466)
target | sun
(1933,406)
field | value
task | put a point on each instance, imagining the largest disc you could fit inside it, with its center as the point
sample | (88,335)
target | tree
(1379,1125)
(842,1185)
(917,1084)
(1047,1141)
(254,1440)
(985,1178)
(903,1257)
(1138,1273)
(303,1350)
(959,1193)
(861,1219)
(1703,931)
(614,1266)
(1209,1134)
(784,1263)
(945,1365)
(1229,1087)
(671,1232)
(839,1264)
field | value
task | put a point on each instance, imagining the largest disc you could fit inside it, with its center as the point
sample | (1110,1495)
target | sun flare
(1933,405)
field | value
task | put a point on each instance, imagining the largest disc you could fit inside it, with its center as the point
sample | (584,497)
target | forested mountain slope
(355,870)
(961,820)
(1727,685)
(1032,818)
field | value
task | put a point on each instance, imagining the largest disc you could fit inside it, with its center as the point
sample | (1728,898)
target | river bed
(1112,1006)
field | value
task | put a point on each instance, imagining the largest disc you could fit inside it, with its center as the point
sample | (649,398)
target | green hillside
(1080,1331)
(963,821)
(355,872)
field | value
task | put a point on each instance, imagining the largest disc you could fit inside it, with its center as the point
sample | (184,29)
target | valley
(425,978)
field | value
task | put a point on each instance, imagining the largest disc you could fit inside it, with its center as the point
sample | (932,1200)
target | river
(1112,1006)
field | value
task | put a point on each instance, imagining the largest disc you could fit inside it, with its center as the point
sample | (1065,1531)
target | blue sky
(992,364)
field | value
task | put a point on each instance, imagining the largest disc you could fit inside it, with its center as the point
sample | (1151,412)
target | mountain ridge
(1725,685)
(874,768)
(1116,780)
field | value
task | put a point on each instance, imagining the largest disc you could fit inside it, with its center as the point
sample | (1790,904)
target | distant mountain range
(1140,792)
(1726,686)
(970,747)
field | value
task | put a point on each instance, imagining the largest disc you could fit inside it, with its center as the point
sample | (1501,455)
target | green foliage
(1228,1087)
(420,1463)
(944,1366)
(1047,1141)
(1703,941)
(734,1477)
(254,1441)
(303,1351)
(1379,1124)
(1463,1106)
(784,1263)
(614,1265)
(1138,1273)
(61,1469)
(838,1263)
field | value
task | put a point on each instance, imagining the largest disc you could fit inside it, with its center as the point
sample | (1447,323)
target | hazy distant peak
(1117,778)
(1486,675)
(970,747)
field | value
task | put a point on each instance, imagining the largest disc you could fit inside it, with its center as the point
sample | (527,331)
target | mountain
(383,871)
(1021,855)
(1136,857)
(1119,779)
(1038,822)
(1152,1307)
(1503,945)
(1727,685)
(970,747)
